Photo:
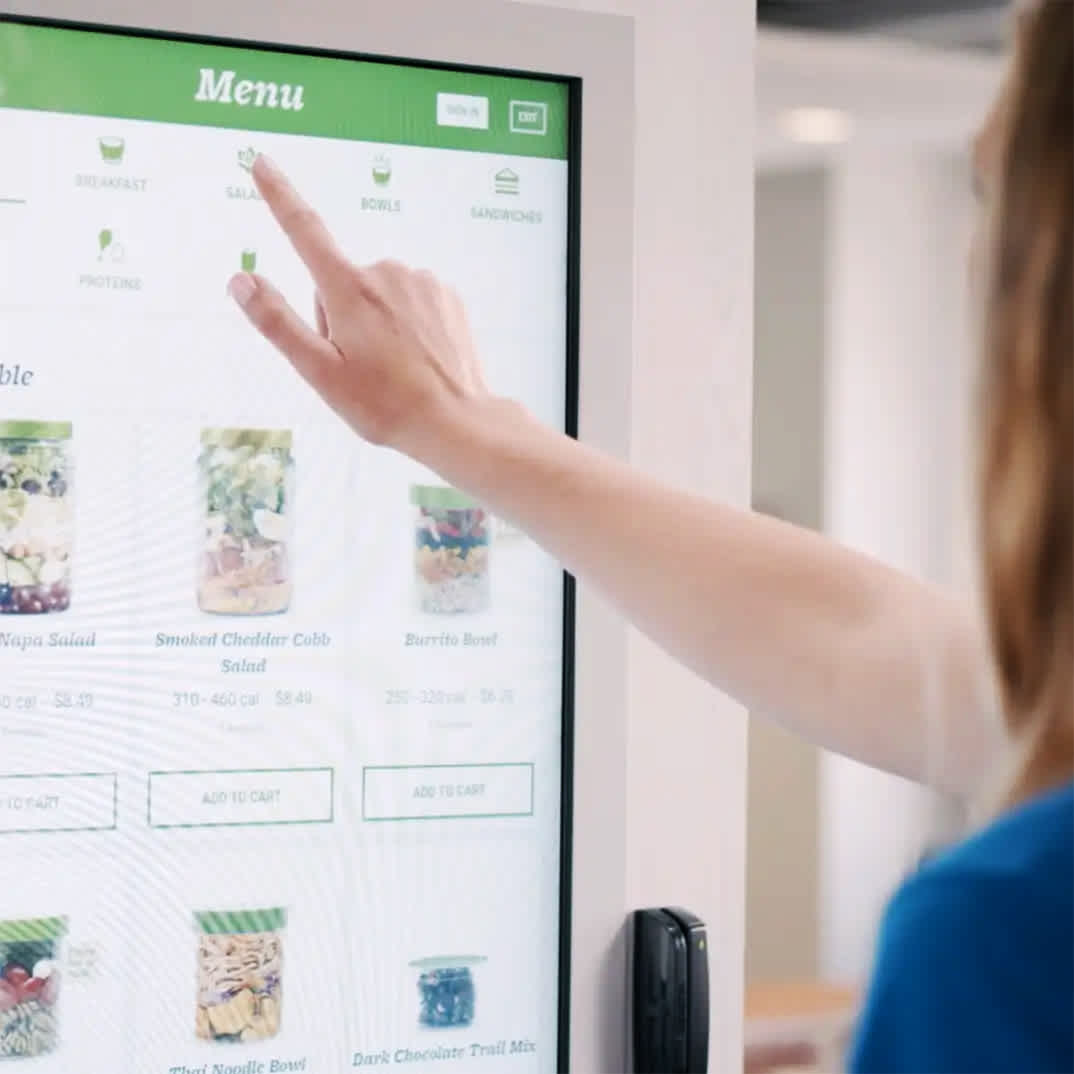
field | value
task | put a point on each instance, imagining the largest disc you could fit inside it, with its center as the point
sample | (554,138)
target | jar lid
(441,498)
(448,962)
(258,439)
(218,923)
(33,930)
(35,430)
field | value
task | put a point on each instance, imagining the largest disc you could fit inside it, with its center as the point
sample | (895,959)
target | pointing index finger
(311,239)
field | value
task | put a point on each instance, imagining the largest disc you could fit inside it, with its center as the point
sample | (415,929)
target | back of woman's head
(1027,461)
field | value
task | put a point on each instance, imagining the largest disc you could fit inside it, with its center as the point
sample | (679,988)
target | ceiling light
(817,126)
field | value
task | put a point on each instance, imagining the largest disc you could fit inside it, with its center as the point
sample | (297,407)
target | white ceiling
(895,92)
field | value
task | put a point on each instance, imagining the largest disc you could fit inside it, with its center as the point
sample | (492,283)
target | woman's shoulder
(975,964)
(1016,875)
(1032,839)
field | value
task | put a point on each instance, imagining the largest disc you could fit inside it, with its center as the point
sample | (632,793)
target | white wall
(896,414)
(788,455)
(862,420)
(685,824)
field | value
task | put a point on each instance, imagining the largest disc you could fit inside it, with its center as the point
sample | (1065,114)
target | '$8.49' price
(287,698)
(65,699)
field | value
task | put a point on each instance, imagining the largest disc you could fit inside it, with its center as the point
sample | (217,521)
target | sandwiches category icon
(506,181)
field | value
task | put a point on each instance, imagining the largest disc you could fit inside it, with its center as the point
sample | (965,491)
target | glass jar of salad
(240,963)
(36,517)
(247,482)
(451,555)
(30,986)
(446,993)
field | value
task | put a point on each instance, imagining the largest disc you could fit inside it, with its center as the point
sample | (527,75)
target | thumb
(313,357)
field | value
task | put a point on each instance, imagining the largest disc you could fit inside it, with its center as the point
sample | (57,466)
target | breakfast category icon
(112,149)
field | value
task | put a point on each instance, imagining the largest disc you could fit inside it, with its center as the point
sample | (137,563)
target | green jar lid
(441,498)
(35,430)
(33,930)
(258,439)
(218,923)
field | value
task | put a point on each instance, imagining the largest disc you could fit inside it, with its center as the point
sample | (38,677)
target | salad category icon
(106,244)
(112,149)
(248,260)
(247,157)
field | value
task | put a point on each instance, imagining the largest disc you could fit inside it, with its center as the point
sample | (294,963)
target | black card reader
(670,992)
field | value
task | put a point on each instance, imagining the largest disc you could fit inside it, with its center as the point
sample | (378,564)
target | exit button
(529,117)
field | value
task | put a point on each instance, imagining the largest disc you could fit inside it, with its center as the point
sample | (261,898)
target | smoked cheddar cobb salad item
(36,517)
(240,967)
(30,986)
(247,482)
(451,555)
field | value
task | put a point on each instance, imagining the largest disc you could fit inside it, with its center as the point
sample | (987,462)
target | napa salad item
(36,517)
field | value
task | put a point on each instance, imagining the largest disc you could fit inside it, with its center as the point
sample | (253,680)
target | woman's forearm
(842,650)
(847,653)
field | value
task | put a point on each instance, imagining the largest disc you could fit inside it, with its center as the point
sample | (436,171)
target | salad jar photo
(36,517)
(240,966)
(30,986)
(247,480)
(451,555)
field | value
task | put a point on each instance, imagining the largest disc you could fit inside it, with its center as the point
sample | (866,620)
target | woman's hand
(392,353)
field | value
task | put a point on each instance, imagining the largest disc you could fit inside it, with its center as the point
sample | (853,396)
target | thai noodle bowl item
(30,986)
(247,483)
(36,517)
(446,993)
(451,555)
(240,966)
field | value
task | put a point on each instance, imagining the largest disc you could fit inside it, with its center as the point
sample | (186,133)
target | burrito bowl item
(451,554)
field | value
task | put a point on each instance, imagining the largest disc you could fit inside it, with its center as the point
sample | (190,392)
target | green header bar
(83,72)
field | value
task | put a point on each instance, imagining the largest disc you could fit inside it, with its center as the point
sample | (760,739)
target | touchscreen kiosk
(284,718)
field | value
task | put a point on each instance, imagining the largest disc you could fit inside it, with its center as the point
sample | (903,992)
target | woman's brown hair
(1027,458)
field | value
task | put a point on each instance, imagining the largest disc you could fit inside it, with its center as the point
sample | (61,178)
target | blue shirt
(975,965)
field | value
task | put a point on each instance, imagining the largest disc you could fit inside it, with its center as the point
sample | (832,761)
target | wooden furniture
(798,1026)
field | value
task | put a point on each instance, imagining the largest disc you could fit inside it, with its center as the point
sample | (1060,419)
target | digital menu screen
(284,718)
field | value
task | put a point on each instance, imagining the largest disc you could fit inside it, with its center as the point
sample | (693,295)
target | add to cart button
(232,799)
(460,110)
(58,803)
(447,792)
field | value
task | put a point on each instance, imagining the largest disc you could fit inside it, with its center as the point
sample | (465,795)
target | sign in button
(58,803)
(447,792)
(460,110)
(230,799)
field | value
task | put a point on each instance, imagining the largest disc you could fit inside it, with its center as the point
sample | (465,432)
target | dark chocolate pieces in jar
(446,993)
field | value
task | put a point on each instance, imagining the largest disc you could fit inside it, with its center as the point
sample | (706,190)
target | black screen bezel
(570,417)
